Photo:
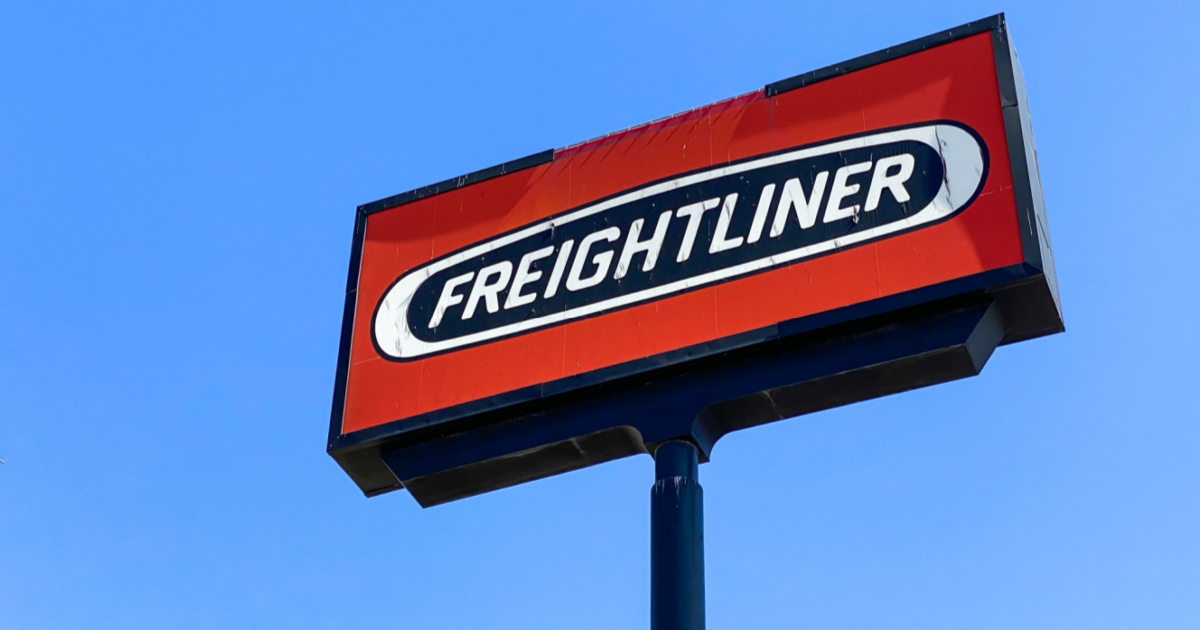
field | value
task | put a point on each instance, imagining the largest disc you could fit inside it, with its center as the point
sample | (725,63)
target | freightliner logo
(686,232)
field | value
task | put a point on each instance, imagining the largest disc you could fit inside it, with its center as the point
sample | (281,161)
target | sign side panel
(1029,147)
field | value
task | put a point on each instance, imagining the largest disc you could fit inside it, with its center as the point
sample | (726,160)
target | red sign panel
(670,242)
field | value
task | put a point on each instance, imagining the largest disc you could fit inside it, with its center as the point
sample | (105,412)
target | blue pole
(676,539)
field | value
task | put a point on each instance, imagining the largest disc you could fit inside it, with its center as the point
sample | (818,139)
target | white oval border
(962,159)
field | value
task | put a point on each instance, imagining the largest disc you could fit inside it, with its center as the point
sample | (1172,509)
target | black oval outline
(986,154)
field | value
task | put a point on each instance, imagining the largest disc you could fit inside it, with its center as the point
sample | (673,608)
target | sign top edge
(991,23)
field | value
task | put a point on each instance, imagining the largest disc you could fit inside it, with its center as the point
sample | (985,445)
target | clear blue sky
(177,187)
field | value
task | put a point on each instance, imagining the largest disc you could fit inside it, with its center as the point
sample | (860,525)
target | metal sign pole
(676,539)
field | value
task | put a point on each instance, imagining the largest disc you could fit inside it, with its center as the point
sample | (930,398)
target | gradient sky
(177,189)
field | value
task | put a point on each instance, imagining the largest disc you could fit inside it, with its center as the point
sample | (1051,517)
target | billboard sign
(852,232)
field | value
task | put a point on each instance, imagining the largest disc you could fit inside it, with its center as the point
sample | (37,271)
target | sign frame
(936,333)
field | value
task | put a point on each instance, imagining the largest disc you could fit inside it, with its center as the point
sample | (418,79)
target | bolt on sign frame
(856,231)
